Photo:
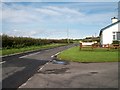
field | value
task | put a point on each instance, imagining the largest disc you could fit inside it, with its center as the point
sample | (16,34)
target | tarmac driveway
(75,75)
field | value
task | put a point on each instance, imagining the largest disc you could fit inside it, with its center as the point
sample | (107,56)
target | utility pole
(67,35)
(95,34)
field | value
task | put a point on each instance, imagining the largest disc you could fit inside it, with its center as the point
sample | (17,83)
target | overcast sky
(54,19)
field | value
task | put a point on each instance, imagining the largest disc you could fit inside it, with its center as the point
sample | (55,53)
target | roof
(108,26)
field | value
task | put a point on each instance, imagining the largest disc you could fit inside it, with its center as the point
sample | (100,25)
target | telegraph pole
(68,35)
(95,34)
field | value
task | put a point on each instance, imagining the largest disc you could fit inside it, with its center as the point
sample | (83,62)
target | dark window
(118,35)
(113,32)
(113,37)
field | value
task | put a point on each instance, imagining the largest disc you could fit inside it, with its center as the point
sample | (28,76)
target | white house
(110,32)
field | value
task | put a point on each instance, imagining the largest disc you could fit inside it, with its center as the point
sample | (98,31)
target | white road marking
(55,55)
(29,79)
(2,62)
(48,62)
(23,85)
(39,69)
(29,55)
(52,56)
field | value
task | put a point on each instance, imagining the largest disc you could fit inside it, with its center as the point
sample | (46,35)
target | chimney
(114,19)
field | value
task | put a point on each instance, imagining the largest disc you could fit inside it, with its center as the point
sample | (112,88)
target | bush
(116,42)
(18,42)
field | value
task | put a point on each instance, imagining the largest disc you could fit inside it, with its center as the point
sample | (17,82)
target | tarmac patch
(55,71)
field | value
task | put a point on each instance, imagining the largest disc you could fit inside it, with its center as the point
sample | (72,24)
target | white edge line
(52,56)
(55,55)
(29,55)
(2,62)
(39,70)
(31,77)
(22,85)
(18,53)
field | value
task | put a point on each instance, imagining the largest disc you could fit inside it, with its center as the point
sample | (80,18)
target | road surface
(17,69)
(76,75)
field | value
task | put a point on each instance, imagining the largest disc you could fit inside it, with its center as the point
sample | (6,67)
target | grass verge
(89,55)
(30,48)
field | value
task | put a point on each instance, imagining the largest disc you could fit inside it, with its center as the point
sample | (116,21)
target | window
(113,37)
(118,35)
(113,32)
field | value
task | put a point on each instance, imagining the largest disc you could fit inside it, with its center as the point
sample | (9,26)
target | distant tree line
(18,42)
(91,39)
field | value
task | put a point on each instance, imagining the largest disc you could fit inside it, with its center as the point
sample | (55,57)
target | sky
(56,20)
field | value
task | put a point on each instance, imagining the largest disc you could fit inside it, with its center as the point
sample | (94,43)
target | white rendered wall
(88,43)
(107,34)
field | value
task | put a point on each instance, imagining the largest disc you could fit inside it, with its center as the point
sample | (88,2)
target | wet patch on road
(60,62)
(55,71)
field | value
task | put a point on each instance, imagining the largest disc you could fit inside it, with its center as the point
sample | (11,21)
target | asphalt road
(17,69)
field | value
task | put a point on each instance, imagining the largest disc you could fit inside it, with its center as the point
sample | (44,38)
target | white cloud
(17,16)
(27,14)
(49,16)
(71,15)
(21,14)
(65,10)
(59,0)
(47,12)
(1,33)
(24,33)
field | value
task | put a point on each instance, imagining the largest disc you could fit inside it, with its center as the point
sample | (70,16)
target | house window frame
(118,35)
(115,36)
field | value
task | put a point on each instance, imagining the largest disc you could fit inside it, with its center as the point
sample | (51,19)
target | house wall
(107,34)
(88,43)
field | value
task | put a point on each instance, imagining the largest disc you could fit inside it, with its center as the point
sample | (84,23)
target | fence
(96,45)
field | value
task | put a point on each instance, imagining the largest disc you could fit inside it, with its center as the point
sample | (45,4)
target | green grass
(89,55)
(30,48)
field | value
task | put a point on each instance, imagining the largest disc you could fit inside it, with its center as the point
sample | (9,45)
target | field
(89,55)
(29,48)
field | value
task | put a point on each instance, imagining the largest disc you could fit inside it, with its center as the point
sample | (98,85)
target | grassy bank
(30,48)
(89,55)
